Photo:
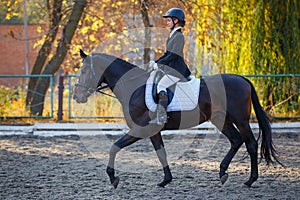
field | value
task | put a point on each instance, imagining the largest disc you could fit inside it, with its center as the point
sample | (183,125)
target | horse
(224,99)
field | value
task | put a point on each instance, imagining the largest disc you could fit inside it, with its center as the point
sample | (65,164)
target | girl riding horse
(171,63)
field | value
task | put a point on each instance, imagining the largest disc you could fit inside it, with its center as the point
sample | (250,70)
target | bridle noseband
(90,90)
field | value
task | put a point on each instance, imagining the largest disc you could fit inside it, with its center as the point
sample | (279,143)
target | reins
(99,89)
(104,93)
(92,90)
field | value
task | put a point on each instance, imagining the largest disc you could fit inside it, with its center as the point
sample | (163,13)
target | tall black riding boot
(161,113)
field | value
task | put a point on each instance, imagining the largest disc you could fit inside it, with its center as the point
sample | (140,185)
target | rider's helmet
(177,13)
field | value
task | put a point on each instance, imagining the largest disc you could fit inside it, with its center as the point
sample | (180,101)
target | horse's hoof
(224,178)
(251,180)
(115,183)
(247,185)
(164,183)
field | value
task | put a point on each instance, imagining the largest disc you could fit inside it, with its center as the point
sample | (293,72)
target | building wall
(12,50)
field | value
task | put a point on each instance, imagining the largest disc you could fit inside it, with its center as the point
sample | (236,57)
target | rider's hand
(155,66)
(151,63)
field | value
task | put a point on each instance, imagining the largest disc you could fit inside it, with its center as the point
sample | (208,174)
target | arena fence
(13,90)
(92,129)
(270,88)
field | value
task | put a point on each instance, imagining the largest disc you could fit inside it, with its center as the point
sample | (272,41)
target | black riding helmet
(176,13)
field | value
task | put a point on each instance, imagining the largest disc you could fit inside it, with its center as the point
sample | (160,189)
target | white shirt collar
(173,31)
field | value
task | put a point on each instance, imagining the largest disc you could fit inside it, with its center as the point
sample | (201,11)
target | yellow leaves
(84,30)
(39,42)
(112,23)
(96,25)
(12,8)
(110,34)
(12,102)
(39,29)
(92,38)
(75,48)
(88,18)
(116,4)
(10,15)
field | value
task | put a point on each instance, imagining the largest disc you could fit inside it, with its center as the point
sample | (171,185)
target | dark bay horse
(224,99)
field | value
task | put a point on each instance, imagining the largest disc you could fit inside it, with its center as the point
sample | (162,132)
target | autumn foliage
(243,37)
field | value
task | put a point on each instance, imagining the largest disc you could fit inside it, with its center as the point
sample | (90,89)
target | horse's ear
(82,54)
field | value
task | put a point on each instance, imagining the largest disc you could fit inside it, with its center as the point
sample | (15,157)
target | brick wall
(12,50)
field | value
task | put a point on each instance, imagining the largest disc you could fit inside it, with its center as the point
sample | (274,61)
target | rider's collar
(173,31)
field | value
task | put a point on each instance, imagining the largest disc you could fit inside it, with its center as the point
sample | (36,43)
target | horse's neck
(121,76)
(114,74)
(111,68)
(128,82)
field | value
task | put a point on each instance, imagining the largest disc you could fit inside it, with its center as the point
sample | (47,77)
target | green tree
(251,36)
(275,49)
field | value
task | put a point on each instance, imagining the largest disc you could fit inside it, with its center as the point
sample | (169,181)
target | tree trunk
(46,47)
(146,21)
(42,86)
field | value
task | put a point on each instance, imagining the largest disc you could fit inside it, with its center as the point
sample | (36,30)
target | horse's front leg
(124,141)
(162,156)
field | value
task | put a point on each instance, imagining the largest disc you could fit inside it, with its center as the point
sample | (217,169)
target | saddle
(182,96)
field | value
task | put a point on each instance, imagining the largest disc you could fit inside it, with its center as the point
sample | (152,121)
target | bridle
(98,88)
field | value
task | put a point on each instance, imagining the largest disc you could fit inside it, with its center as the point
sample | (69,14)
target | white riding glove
(151,63)
(155,66)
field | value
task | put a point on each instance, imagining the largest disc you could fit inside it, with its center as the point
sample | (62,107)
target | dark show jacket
(173,57)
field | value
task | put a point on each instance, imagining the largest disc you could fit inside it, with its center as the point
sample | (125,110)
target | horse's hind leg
(162,156)
(252,146)
(124,141)
(236,141)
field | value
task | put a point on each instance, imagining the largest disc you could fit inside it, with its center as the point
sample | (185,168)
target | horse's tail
(267,147)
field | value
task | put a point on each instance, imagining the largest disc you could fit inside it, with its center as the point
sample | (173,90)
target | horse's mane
(115,59)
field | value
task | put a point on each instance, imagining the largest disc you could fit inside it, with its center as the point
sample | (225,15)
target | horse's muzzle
(80,99)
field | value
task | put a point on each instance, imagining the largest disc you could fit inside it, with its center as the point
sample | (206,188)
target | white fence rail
(63,129)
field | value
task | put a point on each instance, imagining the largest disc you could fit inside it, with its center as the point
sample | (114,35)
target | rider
(171,62)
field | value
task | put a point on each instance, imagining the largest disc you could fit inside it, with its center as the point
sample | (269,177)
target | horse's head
(98,69)
(88,80)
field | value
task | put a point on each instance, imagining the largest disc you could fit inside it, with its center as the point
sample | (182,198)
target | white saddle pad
(185,97)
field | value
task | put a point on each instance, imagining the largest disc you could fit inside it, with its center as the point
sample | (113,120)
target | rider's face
(170,22)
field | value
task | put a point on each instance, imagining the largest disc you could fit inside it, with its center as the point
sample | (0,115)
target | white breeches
(165,82)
